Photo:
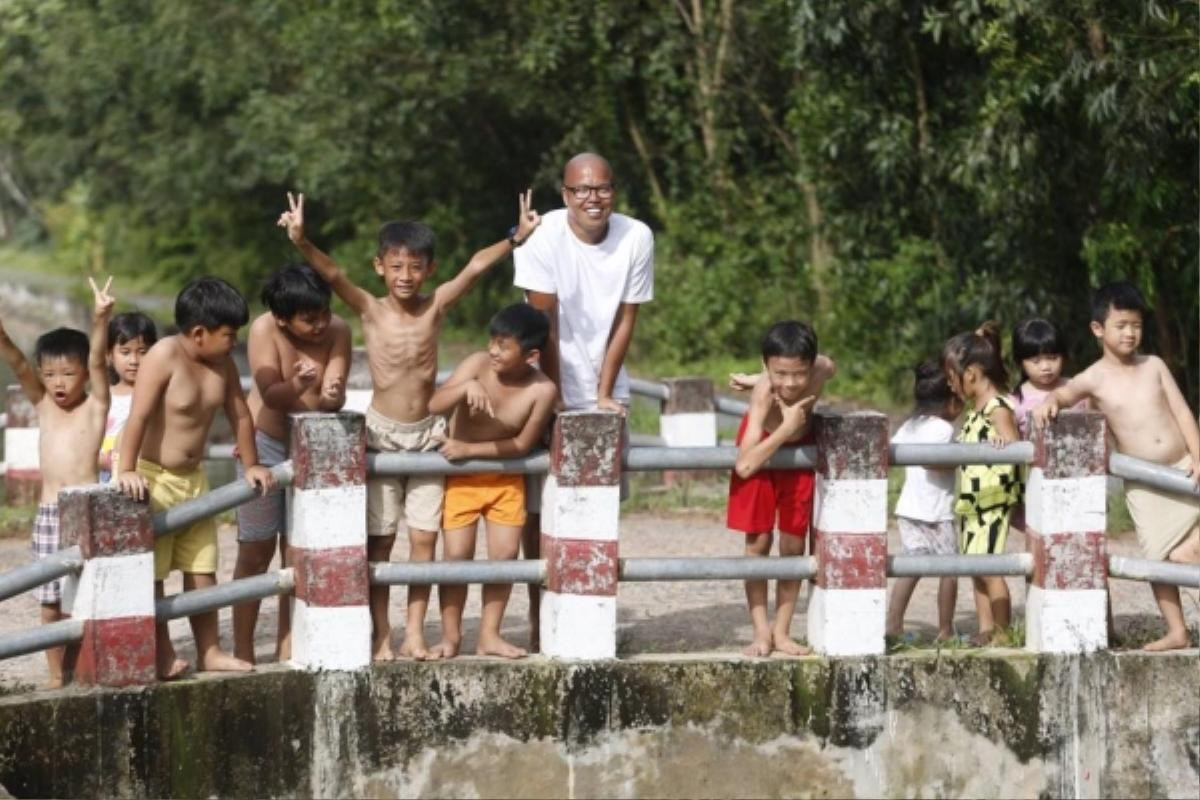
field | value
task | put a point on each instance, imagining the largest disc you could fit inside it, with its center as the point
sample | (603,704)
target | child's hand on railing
(133,485)
(260,478)
(453,450)
(1047,411)
(999,440)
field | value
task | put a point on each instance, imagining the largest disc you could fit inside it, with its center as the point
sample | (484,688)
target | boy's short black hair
(130,325)
(790,339)
(62,343)
(210,303)
(1119,295)
(415,237)
(295,288)
(521,321)
(931,390)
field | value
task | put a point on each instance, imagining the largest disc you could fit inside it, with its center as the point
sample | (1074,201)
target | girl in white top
(130,335)
(924,512)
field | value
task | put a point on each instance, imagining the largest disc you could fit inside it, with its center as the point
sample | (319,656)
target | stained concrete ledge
(979,724)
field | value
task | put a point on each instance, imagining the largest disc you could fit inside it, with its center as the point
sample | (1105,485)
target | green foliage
(895,171)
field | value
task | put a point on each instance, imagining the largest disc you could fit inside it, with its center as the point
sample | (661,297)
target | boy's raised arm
(31,384)
(98,345)
(527,220)
(293,221)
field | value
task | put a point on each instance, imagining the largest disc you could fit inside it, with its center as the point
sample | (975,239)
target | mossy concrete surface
(929,724)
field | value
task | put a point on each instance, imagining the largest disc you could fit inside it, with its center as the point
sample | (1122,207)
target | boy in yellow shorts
(499,404)
(182,382)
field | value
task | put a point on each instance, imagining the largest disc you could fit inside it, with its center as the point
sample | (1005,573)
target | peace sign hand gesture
(293,219)
(529,218)
(104,301)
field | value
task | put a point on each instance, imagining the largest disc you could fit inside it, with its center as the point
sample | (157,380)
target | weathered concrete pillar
(847,612)
(580,510)
(688,416)
(23,475)
(114,594)
(327,524)
(1067,599)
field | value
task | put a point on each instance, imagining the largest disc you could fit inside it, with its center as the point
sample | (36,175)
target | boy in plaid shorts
(70,428)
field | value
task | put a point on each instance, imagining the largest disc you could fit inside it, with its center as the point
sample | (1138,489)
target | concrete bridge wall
(922,724)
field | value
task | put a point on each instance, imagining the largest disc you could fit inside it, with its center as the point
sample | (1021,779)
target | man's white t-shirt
(591,281)
(928,495)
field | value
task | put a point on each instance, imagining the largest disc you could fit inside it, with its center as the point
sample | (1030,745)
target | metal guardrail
(951,566)
(428,573)
(43,637)
(223,498)
(701,569)
(1150,474)
(1145,569)
(34,574)
(198,601)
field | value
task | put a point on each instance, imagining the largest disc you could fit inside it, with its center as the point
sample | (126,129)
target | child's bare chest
(1125,395)
(195,391)
(69,432)
(398,341)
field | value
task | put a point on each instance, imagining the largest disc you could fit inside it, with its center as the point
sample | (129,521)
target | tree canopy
(895,171)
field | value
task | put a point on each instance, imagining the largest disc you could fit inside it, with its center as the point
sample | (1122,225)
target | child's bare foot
(381,649)
(496,646)
(443,649)
(1001,638)
(413,647)
(1172,641)
(283,652)
(759,648)
(220,661)
(169,667)
(983,638)
(790,647)
(53,682)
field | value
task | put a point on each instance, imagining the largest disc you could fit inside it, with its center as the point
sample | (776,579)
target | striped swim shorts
(46,543)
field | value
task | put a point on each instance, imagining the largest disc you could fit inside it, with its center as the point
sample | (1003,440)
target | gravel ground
(653,618)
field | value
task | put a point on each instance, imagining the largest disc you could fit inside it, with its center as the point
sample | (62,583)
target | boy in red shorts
(778,416)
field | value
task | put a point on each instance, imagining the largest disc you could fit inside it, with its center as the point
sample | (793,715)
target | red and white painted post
(114,594)
(23,475)
(688,416)
(1066,603)
(847,609)
(580,511)
(327,529)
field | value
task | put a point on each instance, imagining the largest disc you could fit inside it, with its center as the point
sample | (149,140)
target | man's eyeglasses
(581,192)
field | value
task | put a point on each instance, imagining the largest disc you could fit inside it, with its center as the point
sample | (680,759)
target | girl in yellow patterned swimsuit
(986,493)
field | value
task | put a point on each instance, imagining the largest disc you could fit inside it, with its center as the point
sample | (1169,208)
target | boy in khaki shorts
(401,332)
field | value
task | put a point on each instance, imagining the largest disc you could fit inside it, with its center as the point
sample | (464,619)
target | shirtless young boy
(1149,419)
(299,356)
(182,382)
(401,332)
(779,415)
(70,430)
(499,403)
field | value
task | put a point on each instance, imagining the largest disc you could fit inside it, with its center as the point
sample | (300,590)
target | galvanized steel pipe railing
(43,637)
(1145,569)
(427,573)
(1153,475)
(952,566)
(702,569)
(394,464)
(32,575)
(223,498)
(198,601)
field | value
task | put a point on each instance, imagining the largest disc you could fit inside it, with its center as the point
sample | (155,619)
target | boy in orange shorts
(500,403)
(778,416)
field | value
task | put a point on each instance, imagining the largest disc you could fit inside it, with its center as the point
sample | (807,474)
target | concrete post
(114,594)
(688,417)
(327,524)
(847,610)
(580,510)
(1067,597)
(23,476)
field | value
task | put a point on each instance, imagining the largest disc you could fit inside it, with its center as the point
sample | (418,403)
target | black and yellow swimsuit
(986,493)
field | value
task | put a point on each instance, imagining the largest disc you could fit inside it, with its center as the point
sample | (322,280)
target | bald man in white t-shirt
(589,269)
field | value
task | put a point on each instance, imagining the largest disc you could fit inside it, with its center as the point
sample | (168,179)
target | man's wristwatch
(512,237)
